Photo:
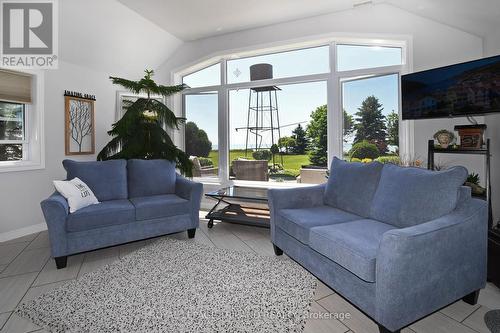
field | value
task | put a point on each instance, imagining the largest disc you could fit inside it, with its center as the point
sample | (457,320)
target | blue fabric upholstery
(351,186)
(108,179)
(150,177)
(353,245)
(398,272)
(55,211)
(357,291)
(118,234)
(106,213)
(156,206)
(113,222)
(192,192)
(302,197)
(422,268)
(409,196)
(299,221)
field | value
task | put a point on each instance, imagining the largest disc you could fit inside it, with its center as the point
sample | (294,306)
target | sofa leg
(383,329)
(471,298)
(191,232)
(61,262)
(277,250)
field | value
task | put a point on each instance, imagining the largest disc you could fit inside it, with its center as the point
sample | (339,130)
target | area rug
(180,286)
(492,320)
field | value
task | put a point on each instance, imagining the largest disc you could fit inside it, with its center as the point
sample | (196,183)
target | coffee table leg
(210,224)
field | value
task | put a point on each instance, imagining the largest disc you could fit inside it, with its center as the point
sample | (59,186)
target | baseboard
(6,236)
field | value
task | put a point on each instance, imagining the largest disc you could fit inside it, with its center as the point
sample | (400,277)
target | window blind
(15,87)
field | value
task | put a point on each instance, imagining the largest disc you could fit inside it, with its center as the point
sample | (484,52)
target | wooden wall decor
(79,123)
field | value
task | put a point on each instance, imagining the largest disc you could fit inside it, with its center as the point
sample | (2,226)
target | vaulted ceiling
(196,19)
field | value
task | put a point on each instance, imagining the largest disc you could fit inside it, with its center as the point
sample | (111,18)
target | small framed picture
(80,127)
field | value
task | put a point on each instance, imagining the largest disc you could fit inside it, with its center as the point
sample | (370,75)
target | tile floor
(27,271)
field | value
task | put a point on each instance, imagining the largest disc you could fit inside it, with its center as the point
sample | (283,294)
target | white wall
(434,45)
(108,36)
(103,38)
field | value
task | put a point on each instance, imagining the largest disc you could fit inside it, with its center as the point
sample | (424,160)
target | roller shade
(15,87)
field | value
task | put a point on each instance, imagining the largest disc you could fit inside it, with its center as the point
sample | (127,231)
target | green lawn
(291,163)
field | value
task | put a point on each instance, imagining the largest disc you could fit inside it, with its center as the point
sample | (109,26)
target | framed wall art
(79,123)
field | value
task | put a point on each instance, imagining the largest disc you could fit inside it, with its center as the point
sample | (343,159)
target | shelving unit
(432,150)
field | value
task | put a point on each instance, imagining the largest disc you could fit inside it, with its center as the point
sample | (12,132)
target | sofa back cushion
(150,177)
(107,179)
(351,186)
(409,196)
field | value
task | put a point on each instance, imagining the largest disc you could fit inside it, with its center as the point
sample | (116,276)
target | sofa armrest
(297,197)
(422,268)
(55,210)
(193,192)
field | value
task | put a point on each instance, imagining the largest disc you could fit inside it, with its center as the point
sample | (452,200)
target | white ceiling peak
(196,19)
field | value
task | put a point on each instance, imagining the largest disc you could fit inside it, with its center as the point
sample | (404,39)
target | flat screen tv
(466,89)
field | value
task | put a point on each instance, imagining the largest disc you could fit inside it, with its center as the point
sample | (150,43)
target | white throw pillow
(78,194)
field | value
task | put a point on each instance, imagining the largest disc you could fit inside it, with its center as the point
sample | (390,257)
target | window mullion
(223,120)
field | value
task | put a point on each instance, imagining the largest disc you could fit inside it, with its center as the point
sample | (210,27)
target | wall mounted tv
(466,89)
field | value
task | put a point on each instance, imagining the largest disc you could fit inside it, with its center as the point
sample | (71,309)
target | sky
(295,101)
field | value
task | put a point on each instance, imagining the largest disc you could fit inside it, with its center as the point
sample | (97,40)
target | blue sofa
(138,199)
(397,243)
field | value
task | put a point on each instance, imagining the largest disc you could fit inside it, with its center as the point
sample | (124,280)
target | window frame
(333,80)
(33,143)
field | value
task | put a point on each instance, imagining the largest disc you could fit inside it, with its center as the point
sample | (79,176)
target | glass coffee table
(243,205)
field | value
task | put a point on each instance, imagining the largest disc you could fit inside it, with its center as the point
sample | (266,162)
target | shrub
(205,162)
(367,160)
(354,159)
(262,155)
(389,160)
(364,149)
(197,142)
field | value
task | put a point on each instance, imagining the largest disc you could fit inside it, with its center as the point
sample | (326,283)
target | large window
(209,76)
(12,131)
(201,133)
(270,123)
(285,64)
(319,102)
(371,118)
(352,57)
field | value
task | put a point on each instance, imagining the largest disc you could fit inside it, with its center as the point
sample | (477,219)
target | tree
(393,129)
(348,126)
(80,119)
(197,142)
(370,123)
(317,134)
(287,143)
(364,149)
(301,141)
(141,133)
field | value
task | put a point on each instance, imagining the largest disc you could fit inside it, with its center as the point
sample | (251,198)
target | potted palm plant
(141,132)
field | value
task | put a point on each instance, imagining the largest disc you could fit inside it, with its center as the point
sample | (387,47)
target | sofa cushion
(410,196)
(156,206)
(298,222)
(107,179)
(103,214)
(351,185)
(150,177)
(353,245)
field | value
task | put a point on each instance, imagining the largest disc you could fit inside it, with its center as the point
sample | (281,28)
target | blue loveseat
(398,243)
(138,199)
